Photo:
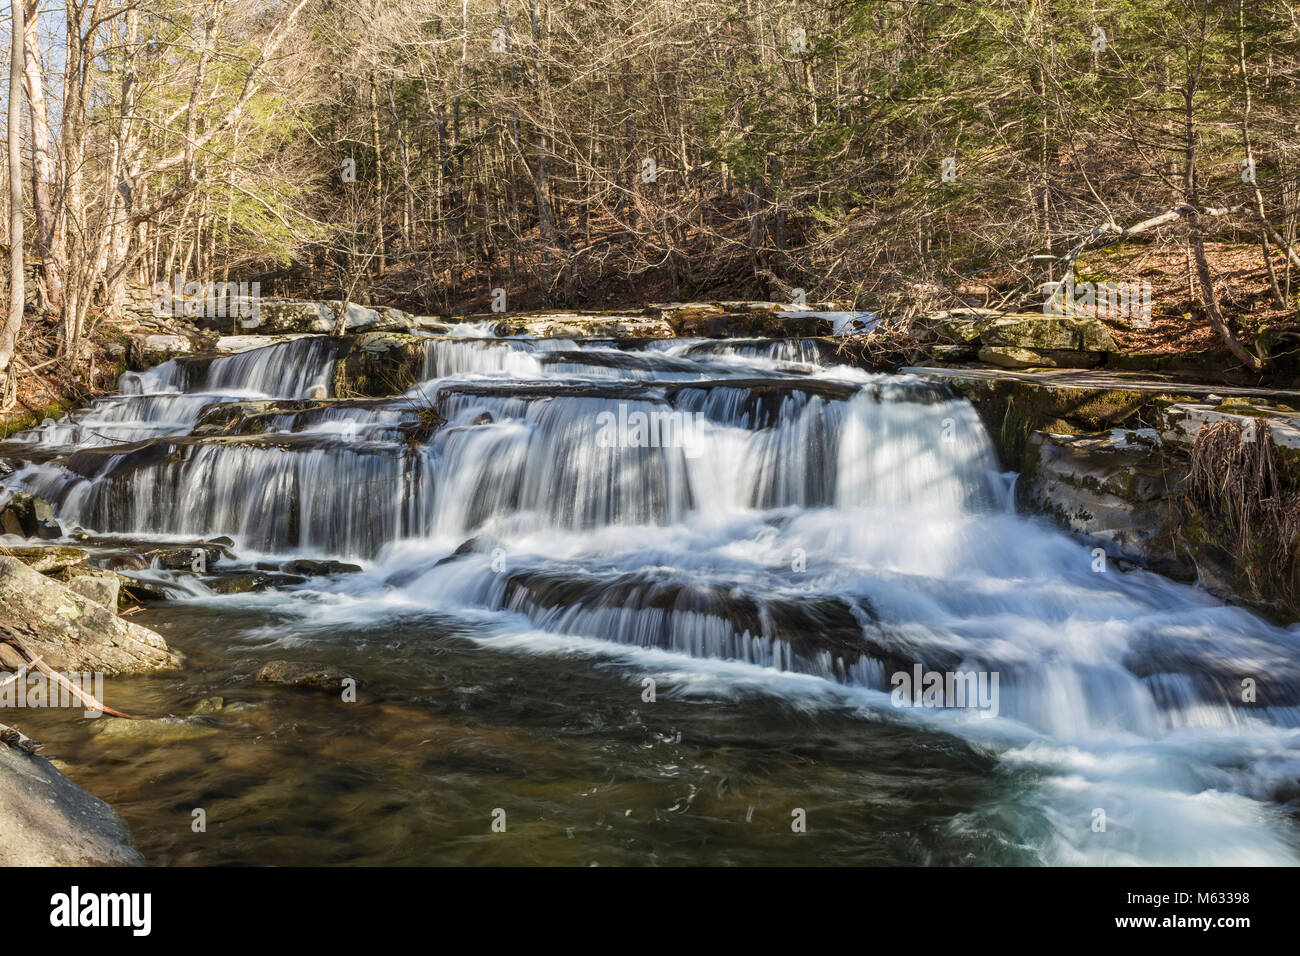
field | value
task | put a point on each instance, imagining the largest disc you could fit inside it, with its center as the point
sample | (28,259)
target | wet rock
(136,589)
(310,568)
(231,344)
(47,820)
(102,587)
(1112,488)
(51,559)
(381,364)
(299,674)
(209,705)
(251,581)
(163,730)
(194,558)
(71,632)
(29,516)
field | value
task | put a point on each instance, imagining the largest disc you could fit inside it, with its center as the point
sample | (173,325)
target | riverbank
(59,640)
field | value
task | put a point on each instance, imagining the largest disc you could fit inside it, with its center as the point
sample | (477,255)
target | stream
(651,602)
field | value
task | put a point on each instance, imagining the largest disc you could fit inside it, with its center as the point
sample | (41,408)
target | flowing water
(649,603)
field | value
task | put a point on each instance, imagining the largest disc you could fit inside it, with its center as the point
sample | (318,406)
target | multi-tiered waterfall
(738,514)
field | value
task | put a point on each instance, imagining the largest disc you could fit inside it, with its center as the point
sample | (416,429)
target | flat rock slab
(47,820)
(1076,378)
(51,558)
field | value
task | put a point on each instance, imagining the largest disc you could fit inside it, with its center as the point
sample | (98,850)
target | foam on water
(816,530)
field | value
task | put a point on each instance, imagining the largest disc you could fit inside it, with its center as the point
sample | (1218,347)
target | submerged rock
(160,731)
(47,820)
(299,674)
(72,632)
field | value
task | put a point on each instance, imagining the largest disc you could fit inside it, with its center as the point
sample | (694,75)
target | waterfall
(743,503)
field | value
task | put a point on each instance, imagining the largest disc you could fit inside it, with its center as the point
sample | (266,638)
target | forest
(894,155)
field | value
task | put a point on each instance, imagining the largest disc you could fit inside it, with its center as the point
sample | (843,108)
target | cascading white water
(167,399)
(801,517)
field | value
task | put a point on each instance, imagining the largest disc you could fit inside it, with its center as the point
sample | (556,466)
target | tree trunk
(14,320)
(48,241)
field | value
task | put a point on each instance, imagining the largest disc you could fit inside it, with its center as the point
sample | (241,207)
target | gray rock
(102,587)
(289,315)
(71,632)
(47,820)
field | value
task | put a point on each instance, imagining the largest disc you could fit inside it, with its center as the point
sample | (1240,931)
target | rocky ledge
(1110,457)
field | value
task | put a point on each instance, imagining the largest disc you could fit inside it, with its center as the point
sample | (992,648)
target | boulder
(317,568)
(47,820)
(246,582)
(381,364)
(145,350)
(197,557)
(1181,421)
(955,326)
(72,632)
(28,516)
(1039,333)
